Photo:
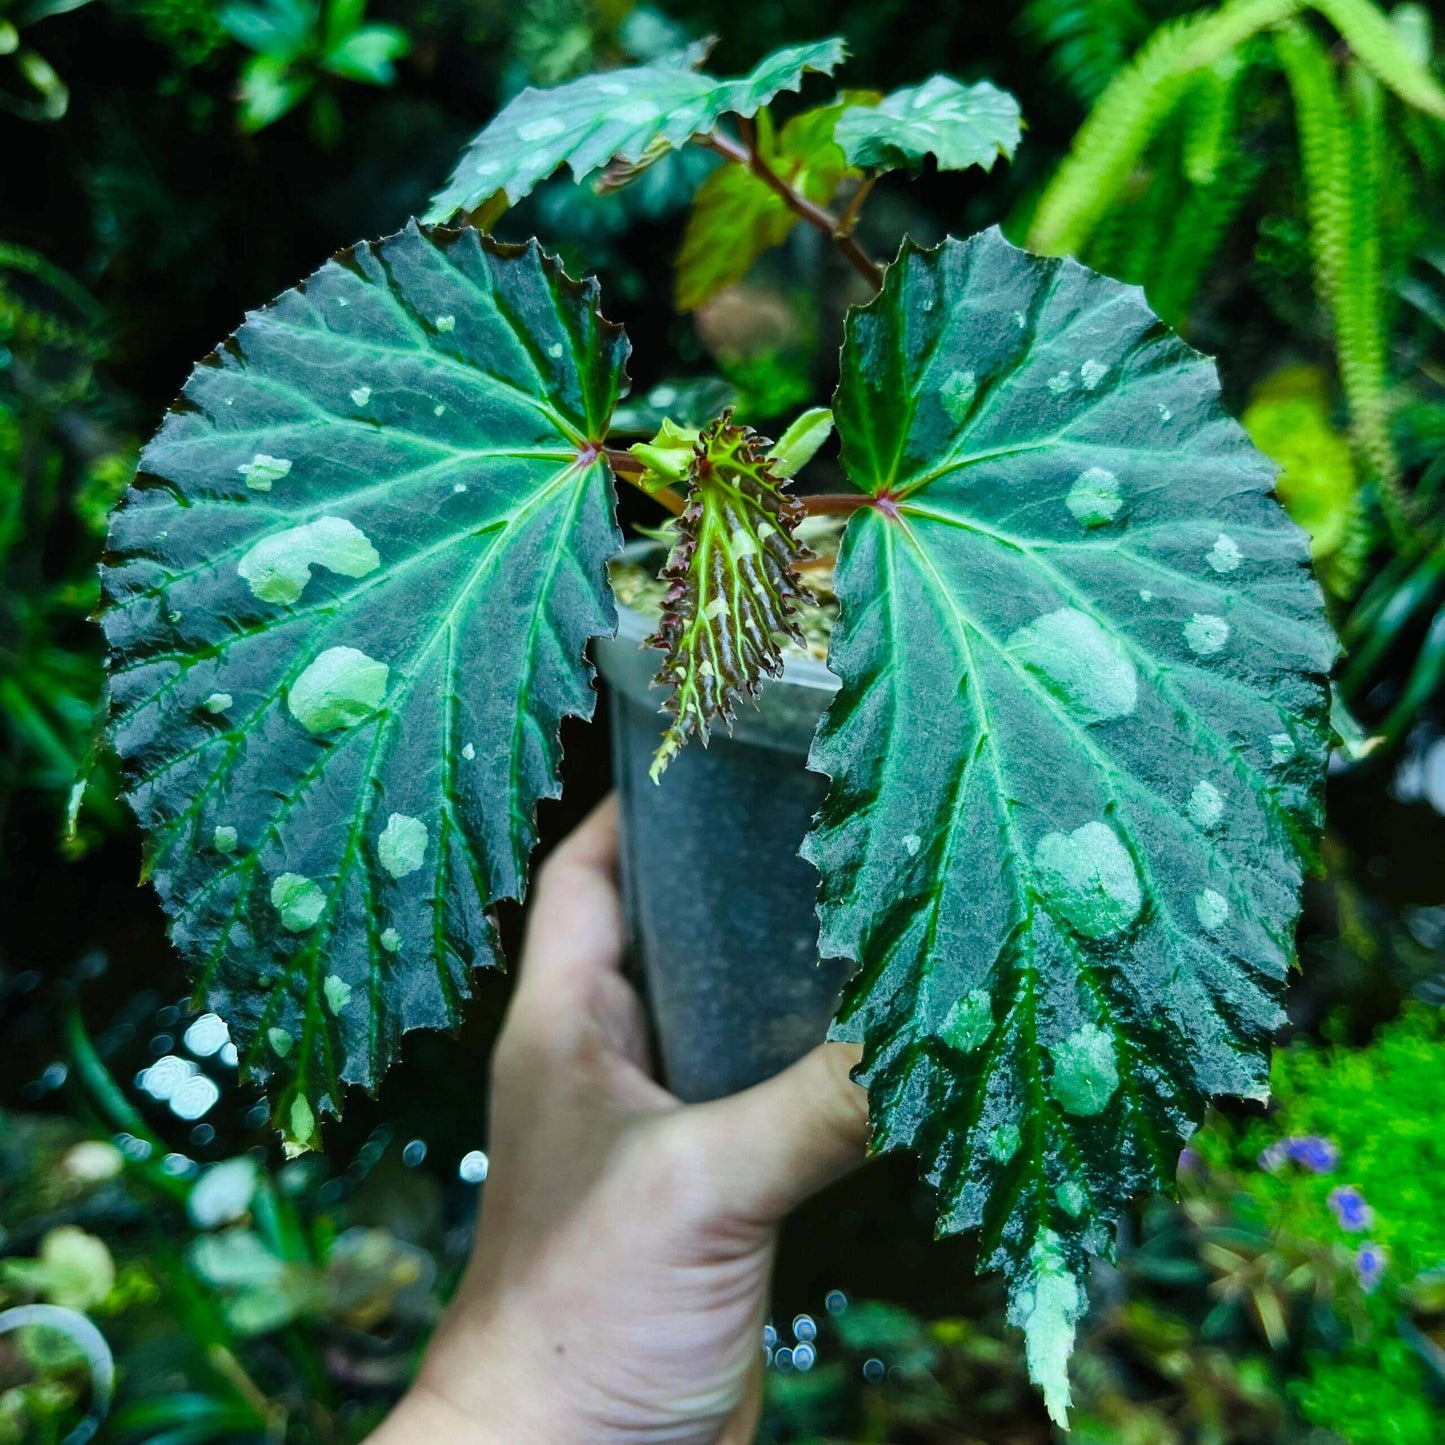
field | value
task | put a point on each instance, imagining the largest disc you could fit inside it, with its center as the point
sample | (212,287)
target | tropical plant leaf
(734,584)
(959,125)
(1076,756)
(736,215)
(619,114)
(349,593)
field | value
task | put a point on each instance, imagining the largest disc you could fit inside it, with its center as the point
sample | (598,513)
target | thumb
(771,1146)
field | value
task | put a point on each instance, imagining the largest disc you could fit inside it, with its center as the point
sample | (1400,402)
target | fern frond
(1199,226)
(1367,30)
(1209,117)
(1088,41)
(1342,165)
(1129,113)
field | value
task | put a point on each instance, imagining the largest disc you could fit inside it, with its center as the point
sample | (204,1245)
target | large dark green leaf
(1076,754)
(349,595)
(618,114)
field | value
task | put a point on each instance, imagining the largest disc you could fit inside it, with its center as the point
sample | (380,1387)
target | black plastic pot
(720,906)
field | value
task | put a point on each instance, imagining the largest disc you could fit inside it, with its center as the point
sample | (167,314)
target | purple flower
(1350,1208)
(1369,1266)
(1188,1160)
(1317,1155)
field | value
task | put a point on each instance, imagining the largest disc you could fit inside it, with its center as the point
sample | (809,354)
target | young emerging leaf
(349,594)
(736,215)
(958,125)
(1076,756)
(618,114)
(734,584)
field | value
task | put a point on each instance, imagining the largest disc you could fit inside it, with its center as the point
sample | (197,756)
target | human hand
(619,1282)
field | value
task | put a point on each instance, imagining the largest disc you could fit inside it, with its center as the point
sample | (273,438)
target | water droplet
(1224,555)
(1094,499)
(206,1035)
(194,1098)
(1082,663)
(542,129)
(165,1076)
(341,687)
(555,350)
(218,702)
(1085,1074)
(261,471)
(805,1327)
(637,112)
(1165,415)
(229,1055)
(1092,372)
(178,1166)
(225,839)
(298,900)
(804,1356)
(835,1302)
(458,488)
(361,395)
(1089,878)
(1071,1197)
(969,1021)
(474,1167)
(401,848)
(1206,634)
(1212,910)
(770,1336)
(874,1371)
(469,752)
(783,1359)
(1206,804)
(958,393)
(414,1153)
(1003,1143)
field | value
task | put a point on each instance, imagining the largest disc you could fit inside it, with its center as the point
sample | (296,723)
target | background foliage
(186,159)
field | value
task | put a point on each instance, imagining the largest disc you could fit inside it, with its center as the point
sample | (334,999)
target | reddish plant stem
(837,504)
(630,469)
(799,204)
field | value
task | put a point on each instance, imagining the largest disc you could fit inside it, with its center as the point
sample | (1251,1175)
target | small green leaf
(616,114)
(959,125)
(349,594)
(1076,757)
(668,457)
(801,442)
(736,215)
(734,584)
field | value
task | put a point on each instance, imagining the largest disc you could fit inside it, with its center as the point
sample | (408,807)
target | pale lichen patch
(1094,499)
(225,839)
(218,702)
(1206,633)
(1086,1075)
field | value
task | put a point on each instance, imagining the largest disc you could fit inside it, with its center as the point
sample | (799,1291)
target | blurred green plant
(31,87)
(303,46)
